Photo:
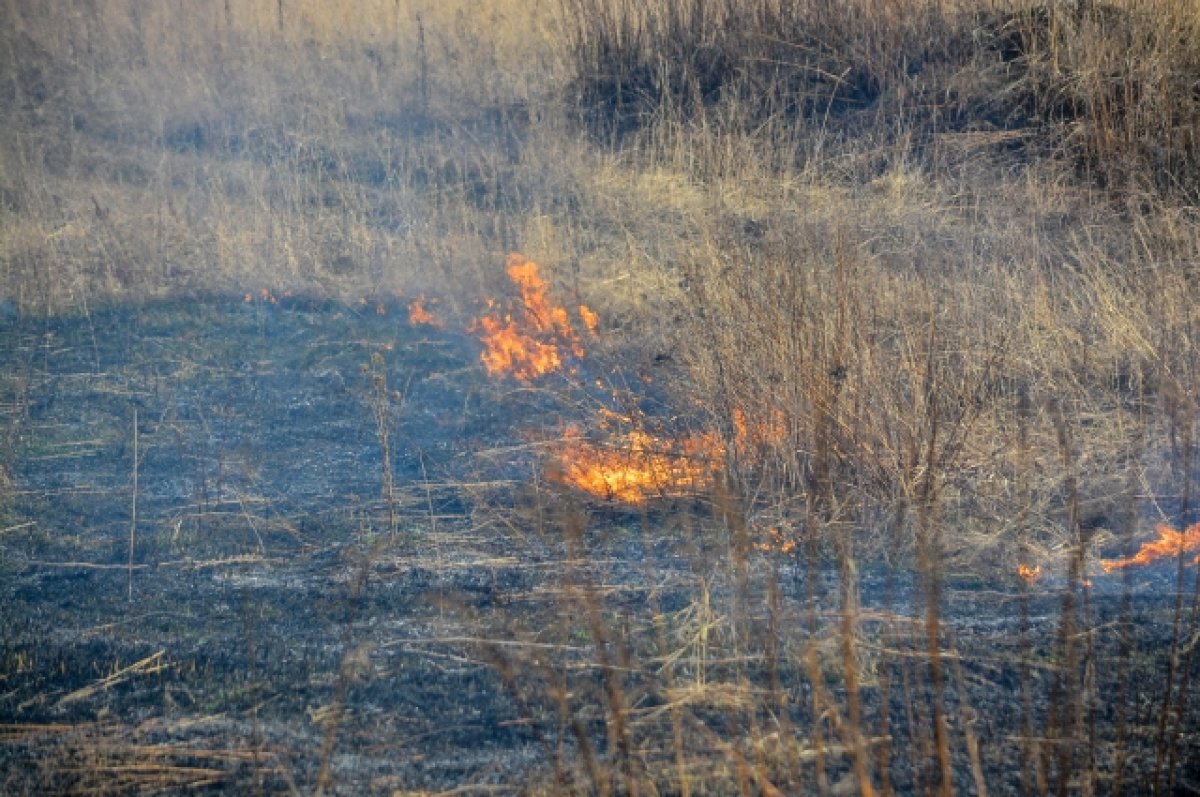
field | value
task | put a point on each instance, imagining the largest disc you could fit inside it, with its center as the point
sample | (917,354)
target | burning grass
(626,462)
(1171,544)
(421,314)
(632,466)
(534,338)
(913,282)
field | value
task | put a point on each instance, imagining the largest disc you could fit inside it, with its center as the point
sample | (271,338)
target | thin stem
(133,505)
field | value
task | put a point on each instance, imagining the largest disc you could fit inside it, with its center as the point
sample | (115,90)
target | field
(708,397)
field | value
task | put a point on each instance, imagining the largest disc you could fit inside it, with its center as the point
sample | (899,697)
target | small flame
(590,319)
(533,340)
(1170,543)
(775,541)
(635,466)
(264,295)
(627,463)
(419,314)
(751,433)
(1029,574)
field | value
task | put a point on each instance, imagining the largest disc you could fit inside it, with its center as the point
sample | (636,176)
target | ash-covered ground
(262,614)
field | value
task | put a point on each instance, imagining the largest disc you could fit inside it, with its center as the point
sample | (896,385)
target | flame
(749,434)
(533,340)
(590,319)
(1029,574)
(264,295)
(1170,543)
(775,541)
(418,314)
(634,466)
(624,462)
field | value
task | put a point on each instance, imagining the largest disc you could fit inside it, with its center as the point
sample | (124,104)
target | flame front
(535,339)
(1170,543)
(636,466)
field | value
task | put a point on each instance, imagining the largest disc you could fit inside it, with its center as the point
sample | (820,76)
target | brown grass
(951,246)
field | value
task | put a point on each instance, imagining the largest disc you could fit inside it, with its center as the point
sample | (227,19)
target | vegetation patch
(834,429)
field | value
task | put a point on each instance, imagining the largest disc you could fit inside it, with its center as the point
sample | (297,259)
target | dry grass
(948,249)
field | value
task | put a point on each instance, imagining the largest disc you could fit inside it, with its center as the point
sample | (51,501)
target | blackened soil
(267,618)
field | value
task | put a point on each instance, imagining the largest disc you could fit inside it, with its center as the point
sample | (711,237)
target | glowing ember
(419,314)
(264,295)
(1170,543)
(535,339)
(636,466)
(775,541)
(1029,574)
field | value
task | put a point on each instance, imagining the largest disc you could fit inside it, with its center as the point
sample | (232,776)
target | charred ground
(271,633)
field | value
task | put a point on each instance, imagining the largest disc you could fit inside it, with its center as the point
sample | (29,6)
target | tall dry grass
(945,253)
(153,150)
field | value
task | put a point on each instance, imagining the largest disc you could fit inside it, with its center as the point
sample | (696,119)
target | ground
(258,617)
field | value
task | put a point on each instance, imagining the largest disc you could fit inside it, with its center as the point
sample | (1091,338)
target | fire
(1170,543)
(624,461)
(590,320)
(634,466)
(418,314)
(264,295)
(535,339)
(1029,574)
(749,434)
(776,541)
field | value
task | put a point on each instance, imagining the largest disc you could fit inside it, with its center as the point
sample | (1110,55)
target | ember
(1029,574)
(776,541)
(533,340)
(1170,543)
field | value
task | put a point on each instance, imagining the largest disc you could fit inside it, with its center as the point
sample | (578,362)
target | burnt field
(847,443)
(212,582)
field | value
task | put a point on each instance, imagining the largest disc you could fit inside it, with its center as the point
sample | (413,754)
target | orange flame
(590,319)
(749,434)
(775,541)
(1029,574)
(532,341)
(636,466)
(1170,543)
(629,464)
(418,314)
